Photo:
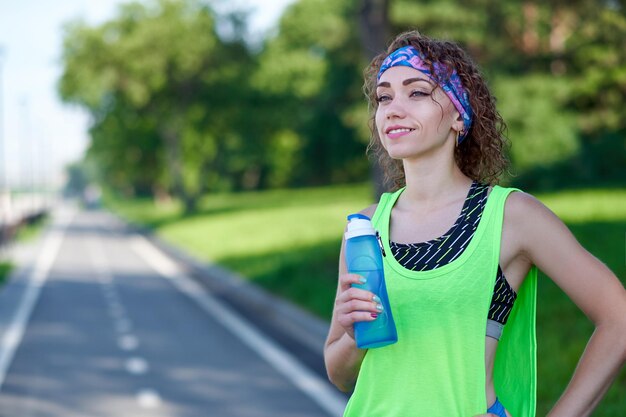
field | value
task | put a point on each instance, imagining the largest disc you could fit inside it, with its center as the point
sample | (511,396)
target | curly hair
(481,156)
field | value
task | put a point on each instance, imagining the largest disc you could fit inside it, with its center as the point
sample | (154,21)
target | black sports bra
(430,255)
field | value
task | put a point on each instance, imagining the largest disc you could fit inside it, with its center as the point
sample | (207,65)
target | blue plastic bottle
(363,257)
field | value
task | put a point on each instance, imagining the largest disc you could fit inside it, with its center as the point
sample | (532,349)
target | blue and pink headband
(408,56)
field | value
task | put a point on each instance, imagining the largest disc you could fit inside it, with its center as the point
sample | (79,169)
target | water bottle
(364,257)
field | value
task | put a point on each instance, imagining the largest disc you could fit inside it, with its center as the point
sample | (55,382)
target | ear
(458,124)
(459,121)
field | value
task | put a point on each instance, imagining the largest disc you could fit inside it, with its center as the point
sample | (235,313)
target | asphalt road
(106,325)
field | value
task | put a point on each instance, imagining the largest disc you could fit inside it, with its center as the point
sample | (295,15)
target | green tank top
(437,367)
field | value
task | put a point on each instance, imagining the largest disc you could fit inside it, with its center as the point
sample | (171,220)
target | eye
(419,93)
(383,98)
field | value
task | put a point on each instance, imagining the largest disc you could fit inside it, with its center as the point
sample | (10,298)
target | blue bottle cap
(358,216)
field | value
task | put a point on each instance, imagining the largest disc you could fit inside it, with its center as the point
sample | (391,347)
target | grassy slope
(288,241)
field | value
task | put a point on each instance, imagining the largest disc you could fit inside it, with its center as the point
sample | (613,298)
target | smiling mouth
(399,130)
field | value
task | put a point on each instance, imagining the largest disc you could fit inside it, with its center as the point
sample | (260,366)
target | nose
(394,110)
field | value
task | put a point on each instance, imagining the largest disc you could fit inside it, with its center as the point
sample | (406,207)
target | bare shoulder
(531,232)
(529,218)
(520,205)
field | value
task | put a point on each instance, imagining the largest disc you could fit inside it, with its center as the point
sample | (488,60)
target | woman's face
(414,115)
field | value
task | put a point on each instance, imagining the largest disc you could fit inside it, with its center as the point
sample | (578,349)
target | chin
(401,157)
(399,153)
(413,150)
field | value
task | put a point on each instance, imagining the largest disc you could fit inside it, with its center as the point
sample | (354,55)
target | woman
(461,258)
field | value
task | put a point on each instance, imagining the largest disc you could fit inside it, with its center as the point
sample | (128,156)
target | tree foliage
(180,107)
(558,69)
(312,67)
(163,90)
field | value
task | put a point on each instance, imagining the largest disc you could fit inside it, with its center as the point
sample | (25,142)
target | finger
(347,320)
(354,293)
(358,305)
(346,280)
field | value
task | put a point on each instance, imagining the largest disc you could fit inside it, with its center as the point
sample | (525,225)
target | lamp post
(4,195)
(2,158)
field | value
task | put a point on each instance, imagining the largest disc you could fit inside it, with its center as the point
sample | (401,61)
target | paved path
(104,324)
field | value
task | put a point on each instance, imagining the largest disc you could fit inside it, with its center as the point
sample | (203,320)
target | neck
(431,180)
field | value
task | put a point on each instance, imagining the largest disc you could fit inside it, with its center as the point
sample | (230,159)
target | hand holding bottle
(354,304)
(364,257)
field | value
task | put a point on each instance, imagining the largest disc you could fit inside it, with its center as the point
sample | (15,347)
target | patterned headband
(408,56)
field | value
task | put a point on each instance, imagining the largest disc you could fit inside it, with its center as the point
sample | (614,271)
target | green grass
(288,242)
(25,233)
(29,232)
(5,269)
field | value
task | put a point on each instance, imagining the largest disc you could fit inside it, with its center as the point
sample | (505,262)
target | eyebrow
(408,81)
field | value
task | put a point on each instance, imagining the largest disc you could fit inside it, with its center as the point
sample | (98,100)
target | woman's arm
(341,355)
(548,243)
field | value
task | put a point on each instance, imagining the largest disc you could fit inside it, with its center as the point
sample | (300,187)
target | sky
(39,135)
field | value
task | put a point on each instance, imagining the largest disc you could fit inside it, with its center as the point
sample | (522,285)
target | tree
(374,34)
(313,70)
(159,84)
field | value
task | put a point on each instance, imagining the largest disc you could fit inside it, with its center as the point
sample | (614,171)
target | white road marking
(148,398)
(136,366)
(15,331)
(128,342)
(309,383)
(115,307)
